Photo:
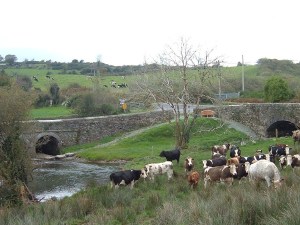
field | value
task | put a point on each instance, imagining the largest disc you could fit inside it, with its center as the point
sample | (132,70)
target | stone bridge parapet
(68,132)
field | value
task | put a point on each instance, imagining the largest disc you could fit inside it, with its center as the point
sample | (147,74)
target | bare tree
(184,78)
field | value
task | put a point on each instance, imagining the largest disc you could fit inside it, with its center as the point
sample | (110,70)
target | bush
(42,100)
(89,105)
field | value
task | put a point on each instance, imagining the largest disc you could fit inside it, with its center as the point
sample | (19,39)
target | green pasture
(64,80)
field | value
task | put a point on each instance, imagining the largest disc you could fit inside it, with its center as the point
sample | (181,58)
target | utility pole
(243,77)
(219,75)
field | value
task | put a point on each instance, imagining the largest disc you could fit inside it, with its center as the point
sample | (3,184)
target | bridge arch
(282,128)
(48,143)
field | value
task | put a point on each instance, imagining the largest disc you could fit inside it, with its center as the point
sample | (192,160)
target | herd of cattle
(219,168)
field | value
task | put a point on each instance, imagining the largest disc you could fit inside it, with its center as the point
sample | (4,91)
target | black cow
(171,155)
(124,177)
(214,162)
(235,151)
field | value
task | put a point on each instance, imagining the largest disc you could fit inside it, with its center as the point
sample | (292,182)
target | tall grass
(168,202)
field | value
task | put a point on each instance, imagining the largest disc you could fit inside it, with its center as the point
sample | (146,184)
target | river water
(63,178)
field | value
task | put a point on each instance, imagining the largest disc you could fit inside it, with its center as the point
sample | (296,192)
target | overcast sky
(130,32)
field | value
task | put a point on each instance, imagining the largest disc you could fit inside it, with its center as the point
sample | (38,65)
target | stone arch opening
(283,128)
(48,144)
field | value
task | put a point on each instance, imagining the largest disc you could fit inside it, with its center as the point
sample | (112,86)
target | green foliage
(86,105)
(277,90)
(15,163)
(42,100)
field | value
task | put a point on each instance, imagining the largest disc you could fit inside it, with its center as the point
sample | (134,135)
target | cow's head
(144,172)
(189,162)
(287,150)
(232,169)
(162,154)
(282,161)
(235,151)
(247,167)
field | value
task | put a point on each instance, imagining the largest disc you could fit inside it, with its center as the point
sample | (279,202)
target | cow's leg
(205,181)
(170,174)
(131,184)
(112,184)
(268,181)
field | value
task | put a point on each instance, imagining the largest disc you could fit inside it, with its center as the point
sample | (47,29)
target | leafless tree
(184,78)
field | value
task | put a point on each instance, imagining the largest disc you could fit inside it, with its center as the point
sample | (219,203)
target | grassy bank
(169,202)
(51,112)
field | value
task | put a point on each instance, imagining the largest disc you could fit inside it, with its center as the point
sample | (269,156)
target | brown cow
(193,179)
(219,174)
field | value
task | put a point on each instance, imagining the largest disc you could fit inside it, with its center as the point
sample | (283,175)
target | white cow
(150,170)
(264,170)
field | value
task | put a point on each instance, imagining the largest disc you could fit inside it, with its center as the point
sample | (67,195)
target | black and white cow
(235,151)
(214,162)
(153,169)
(124,178)
(171,155)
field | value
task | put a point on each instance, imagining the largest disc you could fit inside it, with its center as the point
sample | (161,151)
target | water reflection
(64,178)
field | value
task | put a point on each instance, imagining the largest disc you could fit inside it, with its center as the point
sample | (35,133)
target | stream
(61,178)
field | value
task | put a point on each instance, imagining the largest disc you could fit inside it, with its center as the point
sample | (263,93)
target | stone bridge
(49,136)
(266,120)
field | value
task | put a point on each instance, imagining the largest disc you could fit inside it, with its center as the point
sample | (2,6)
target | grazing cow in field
(188,164)
(124,178)
(150,170)
(265,170)
(219,174)
(235,151)
(171,155)
(221,149)
(193,179)
(214,162)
